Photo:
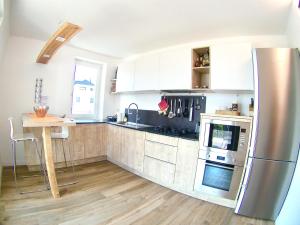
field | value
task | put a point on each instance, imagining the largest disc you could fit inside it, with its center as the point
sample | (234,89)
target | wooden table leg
(49,161)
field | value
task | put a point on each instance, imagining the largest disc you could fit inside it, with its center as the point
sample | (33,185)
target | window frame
(98,86)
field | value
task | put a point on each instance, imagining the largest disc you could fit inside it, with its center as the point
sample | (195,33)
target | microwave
(229,136)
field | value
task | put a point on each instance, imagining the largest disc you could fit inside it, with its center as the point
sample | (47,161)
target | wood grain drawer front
(161,171)
(160,151)
(162,139)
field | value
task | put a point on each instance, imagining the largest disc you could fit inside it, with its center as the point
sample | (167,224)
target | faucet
(137,112)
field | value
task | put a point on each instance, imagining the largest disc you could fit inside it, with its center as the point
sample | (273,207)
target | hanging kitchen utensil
(191,111)
(166,112)
(179,109)
(170,115)
(198,105)
(186,108)
(175,108)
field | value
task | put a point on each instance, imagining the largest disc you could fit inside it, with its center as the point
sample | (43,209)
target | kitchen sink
(133,125)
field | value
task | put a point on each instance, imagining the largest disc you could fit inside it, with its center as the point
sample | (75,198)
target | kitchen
(148,75)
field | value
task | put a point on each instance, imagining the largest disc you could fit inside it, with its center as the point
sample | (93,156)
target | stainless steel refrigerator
(276,133)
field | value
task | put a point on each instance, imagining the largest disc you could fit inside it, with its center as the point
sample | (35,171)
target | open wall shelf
(200,68)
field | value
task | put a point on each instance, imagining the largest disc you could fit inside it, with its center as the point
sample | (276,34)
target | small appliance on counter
(224,143)
(112,118)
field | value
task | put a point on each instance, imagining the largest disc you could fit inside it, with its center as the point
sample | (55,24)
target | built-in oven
(224,141)
(228,135)
(217,175)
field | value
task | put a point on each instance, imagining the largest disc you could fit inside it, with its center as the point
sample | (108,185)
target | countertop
(140,127)
(88,121)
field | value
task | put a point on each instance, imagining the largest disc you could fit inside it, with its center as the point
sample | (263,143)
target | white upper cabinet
(231,66)
(146,72)
(175,69)
(125,75)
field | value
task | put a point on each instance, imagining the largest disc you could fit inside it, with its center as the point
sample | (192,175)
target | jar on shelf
(197,62)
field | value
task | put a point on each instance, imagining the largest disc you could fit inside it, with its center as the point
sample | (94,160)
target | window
(1,11)
(86,88)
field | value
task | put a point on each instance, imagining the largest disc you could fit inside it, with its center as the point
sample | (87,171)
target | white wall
(293,26)
(4,35)
(18,74)
(289,213)
(4,29)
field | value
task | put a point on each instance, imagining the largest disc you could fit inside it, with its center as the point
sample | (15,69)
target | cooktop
(169,131)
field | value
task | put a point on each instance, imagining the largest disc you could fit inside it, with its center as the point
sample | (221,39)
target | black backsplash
(151,117)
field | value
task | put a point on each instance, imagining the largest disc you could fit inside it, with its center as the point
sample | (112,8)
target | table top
(31,120)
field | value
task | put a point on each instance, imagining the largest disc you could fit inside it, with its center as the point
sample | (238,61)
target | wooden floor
(107,194)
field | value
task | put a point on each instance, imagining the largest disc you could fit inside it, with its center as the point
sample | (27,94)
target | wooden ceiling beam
(64,33)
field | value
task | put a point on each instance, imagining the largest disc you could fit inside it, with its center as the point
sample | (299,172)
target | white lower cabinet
(160,171)
(186,164)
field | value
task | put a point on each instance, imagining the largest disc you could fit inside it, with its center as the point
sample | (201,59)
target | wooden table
(30,120)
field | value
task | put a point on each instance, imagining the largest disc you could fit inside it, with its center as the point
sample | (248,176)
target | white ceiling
(124,27)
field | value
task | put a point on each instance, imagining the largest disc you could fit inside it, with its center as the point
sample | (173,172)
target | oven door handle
(219,166)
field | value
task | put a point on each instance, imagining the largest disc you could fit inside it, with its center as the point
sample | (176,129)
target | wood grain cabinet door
(132,152)
(138,151)
(93,140)
(186,164)
(116,142)
(109,144)
(76,143)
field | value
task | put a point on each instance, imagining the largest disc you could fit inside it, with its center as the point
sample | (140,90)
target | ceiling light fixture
(62,35)
(60,39)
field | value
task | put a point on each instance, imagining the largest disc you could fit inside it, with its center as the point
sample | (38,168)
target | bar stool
(63,136)
(14,139)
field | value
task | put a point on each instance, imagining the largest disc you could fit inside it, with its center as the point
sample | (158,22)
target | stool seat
(59,135)
(64,134)
(24,137)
